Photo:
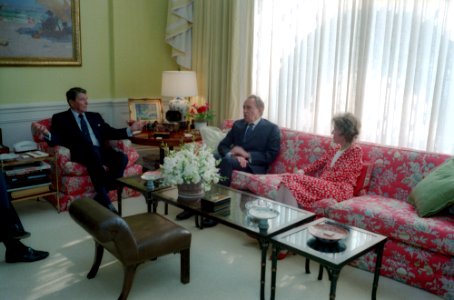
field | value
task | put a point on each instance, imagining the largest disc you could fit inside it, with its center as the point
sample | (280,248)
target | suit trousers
(9,220)
(95,159)
(226,167)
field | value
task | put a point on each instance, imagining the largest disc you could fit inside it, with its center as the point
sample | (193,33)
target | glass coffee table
(257,216)
(332,245)
(138,184)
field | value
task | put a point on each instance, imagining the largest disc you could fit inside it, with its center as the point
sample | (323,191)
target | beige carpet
(225,264)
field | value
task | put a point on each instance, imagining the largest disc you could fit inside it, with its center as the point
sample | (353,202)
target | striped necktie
(248,131)
(84,128)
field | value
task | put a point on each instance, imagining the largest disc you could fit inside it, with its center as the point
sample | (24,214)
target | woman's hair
(348,125)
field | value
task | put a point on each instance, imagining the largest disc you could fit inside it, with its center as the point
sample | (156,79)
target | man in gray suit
(251,145)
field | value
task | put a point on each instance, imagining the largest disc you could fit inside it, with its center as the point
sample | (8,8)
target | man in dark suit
(12,231)
(86,135)
(251,146)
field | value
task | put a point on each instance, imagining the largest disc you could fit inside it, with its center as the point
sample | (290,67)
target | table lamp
(179,84)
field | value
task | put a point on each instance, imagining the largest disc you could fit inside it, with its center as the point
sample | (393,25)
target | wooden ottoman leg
(130,271)
(99,251)
(185,265)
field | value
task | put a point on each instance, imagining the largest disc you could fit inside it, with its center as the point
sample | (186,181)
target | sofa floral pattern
(419,251)
(74,181)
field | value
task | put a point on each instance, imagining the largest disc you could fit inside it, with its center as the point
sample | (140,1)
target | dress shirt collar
(76,115)
(256,122)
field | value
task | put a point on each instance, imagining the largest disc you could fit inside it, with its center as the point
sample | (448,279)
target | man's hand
(243,162)
(239,151)
(137,125)
(40,130)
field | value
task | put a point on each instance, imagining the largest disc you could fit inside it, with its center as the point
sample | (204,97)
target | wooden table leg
(379,252)
(119,194)
(334,276)
(273,272)
(264,247)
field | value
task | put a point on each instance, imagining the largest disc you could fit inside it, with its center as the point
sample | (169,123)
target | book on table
(214,202)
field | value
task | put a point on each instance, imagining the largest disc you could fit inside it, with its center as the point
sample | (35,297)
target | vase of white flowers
(192,169)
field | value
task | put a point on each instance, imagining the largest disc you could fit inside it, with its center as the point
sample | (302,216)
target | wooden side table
(332,257)
(170,140)
(32,190)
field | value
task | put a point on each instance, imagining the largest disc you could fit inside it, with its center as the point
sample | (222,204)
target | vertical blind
(390,62)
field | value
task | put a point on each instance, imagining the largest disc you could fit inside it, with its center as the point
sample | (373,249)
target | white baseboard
(15,120)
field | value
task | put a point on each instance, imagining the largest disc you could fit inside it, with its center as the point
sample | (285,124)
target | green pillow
(435,192)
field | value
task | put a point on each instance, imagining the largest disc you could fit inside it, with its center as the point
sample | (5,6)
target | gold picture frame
(39,33)
(147,109)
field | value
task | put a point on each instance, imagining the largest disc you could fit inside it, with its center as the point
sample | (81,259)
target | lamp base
(181,105)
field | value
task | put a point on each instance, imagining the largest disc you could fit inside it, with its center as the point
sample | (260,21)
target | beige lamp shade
(179,84)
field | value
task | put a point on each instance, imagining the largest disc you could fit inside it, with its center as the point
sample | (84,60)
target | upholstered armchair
(73,179)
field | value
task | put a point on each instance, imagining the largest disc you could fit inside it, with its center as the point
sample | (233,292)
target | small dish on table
(150,177)
(328,232)
(262,211)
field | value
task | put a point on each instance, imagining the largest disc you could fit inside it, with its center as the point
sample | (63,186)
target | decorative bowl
(328,233)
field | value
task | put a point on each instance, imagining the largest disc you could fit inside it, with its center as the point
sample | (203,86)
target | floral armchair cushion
(70,168)
(74,181)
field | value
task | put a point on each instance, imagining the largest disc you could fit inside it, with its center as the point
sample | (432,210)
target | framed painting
(145,109)
(40,32)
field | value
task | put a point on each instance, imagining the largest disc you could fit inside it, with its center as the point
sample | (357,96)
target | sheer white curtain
(390,62)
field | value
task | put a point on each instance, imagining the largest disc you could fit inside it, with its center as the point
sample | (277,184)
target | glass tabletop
(235,213)
(356,242)
(137,183)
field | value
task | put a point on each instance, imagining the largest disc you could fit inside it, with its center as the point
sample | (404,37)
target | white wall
(15,120)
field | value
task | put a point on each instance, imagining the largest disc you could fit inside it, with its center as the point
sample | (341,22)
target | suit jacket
(263,144)
(66,132)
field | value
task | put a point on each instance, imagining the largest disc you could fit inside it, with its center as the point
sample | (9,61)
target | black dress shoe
(209,223)
(185,214)
(27,255)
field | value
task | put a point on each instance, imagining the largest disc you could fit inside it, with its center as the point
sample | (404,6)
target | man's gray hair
(258,102)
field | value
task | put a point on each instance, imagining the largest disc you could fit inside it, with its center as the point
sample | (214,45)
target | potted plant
(200,114)
(192,169)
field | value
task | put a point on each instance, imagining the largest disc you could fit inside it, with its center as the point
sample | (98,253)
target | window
(389,62)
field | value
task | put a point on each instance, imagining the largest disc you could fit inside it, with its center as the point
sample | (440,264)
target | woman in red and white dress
(338,169)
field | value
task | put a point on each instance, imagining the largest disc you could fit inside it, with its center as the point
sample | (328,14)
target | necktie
(84,127)
(248,132)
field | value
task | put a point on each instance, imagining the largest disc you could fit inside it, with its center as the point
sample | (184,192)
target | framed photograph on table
(40,32)
(145,109)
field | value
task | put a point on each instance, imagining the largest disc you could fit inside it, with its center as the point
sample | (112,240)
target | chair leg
(99,251)
(130,271)
(185,266)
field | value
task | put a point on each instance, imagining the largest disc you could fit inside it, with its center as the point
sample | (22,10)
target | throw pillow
(363,181)
(435,192)
(212,136)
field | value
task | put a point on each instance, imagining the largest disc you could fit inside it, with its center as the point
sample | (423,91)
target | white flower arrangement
(193,163)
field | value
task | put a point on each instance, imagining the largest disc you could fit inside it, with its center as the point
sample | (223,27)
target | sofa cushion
(212,136)
(397,220)
(363,181)
(260,184)
(397,170)
(436,191)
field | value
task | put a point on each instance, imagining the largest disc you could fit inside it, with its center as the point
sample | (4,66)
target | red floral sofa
(419,251)
(73,179)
